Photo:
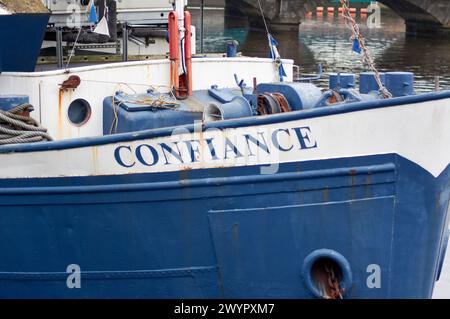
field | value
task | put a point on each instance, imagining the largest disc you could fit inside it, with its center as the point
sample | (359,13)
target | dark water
(325,39)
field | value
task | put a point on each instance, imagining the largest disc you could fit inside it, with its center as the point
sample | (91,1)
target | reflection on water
(325,39)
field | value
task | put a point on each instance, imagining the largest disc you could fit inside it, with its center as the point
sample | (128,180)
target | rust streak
(59,124)
(326,195)
(368,180)
(353,174)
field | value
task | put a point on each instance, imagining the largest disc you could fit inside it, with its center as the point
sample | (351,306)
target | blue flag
(356,47)
(275,55)
(93,18)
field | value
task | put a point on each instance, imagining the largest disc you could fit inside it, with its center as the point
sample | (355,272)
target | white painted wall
(100,81)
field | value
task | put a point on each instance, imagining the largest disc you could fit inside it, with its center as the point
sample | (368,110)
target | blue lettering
(262,145)
(148,155)
(304,137)
(230,147)
(212,150)
(119,158)
(193,151)
(276,141)
(141,158)
(166,148)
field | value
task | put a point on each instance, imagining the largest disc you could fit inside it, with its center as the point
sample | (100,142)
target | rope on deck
(16,128)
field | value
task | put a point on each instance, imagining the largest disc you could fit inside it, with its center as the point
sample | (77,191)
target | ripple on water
(326,40)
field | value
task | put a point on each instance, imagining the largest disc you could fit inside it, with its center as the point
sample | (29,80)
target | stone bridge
(422,17)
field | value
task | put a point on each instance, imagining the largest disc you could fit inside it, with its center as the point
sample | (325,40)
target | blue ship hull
(170,240)
(227,232)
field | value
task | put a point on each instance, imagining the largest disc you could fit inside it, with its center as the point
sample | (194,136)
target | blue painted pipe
(323,100)
(350,95)
(347,96)
(238,107)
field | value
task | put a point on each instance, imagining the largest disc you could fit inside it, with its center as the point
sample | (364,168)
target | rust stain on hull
(59,132)
(353,174)
(326,195)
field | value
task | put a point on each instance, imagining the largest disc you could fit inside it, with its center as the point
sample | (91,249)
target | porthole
(320,267)
(79,112)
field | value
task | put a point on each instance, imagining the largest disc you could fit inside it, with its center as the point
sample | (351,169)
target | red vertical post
(174,50)
(188,52)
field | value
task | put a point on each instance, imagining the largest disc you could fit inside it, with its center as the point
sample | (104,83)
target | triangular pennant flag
(93,18)
(102,27)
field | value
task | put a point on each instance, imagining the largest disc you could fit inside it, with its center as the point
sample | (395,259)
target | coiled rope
(366,56)
(16,128)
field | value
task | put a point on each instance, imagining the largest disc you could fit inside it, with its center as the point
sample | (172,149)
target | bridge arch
(422,17)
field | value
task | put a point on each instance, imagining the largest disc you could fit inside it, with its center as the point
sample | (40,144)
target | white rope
(20,129)
(367,58)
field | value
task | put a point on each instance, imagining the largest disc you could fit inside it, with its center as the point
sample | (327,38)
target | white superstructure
(65,13)
(99,81)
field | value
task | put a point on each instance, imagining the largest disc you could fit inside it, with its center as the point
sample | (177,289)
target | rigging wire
(263,16)
(73,48)
(273,46)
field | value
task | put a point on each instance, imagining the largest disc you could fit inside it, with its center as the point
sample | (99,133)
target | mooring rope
(366,56)
(19,129)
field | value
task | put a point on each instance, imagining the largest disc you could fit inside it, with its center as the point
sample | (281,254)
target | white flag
(102,27)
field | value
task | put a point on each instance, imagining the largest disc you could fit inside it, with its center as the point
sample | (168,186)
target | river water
(324,39)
